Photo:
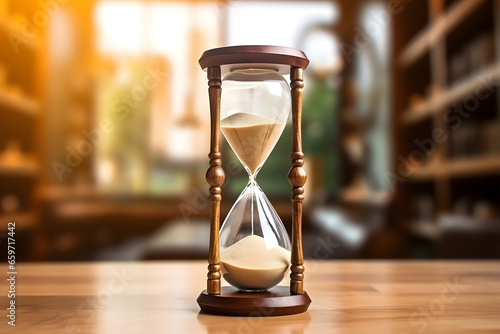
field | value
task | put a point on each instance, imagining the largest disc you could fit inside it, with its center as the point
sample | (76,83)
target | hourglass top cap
(229,58)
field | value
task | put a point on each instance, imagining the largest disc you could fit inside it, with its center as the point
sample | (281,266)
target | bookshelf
(459,168)
(435,32)
(485,78)
(441,60)
(20,113)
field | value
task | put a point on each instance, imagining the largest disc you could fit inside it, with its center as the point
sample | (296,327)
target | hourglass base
(276,301)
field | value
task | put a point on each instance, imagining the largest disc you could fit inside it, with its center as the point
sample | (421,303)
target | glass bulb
(255,107)
(255,248)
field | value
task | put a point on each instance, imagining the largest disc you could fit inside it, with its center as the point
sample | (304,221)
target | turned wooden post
(215,178)
(297,178)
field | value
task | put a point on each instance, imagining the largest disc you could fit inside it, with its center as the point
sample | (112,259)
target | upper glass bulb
(255,107)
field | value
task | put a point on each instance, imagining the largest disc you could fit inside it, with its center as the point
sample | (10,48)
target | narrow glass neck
(252,177)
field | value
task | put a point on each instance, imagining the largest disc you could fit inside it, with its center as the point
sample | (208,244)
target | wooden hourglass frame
(279,300)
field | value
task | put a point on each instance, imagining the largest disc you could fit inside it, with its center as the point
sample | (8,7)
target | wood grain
(297,178)
(348,297)
(215,178)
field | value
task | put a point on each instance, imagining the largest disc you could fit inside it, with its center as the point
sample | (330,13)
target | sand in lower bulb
(250,265)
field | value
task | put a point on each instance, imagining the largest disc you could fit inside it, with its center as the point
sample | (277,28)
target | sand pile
(249,265)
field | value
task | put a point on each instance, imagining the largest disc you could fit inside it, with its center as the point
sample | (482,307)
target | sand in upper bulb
(250,265)
(251,137)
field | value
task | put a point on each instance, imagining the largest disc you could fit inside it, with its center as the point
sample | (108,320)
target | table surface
(347,297)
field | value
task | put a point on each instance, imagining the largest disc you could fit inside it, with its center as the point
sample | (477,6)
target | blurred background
(104,126)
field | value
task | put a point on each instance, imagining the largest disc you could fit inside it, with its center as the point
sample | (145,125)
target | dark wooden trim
(256,54)
(277,301)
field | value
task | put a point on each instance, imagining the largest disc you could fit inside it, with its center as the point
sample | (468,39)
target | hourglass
(252,251)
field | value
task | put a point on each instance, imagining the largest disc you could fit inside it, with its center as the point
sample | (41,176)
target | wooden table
(348,297)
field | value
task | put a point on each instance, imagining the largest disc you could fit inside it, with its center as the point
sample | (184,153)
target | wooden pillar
(215,178)
(297,178)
